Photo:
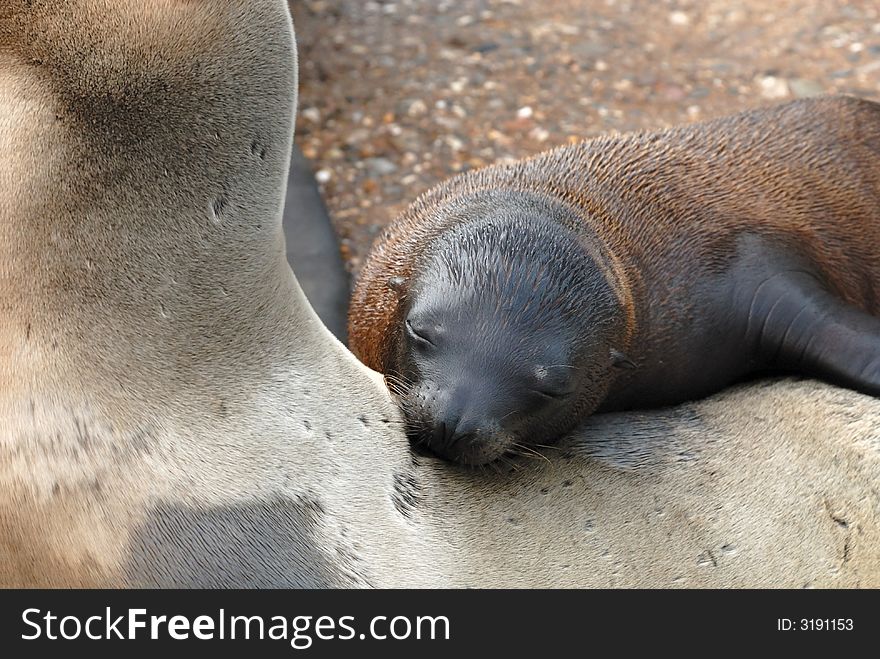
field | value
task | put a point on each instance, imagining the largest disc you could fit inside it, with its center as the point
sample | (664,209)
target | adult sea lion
(173,413)
(510,303)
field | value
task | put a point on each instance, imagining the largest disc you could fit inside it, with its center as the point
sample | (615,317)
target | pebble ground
(396,96)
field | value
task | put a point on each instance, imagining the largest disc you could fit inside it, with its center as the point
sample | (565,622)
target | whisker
(510,464)
(522,454)
(530,452)
(555,448)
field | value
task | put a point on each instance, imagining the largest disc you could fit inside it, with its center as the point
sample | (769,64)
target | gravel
(398,95)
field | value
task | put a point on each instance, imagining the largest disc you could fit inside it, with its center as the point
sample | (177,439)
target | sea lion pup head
(508,336)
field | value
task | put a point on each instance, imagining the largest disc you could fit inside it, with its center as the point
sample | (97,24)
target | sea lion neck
(143,183)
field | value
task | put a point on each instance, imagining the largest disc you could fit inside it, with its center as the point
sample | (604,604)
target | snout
(456,423)
(470,441)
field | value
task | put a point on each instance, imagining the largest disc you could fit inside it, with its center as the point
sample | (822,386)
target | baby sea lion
(508,304)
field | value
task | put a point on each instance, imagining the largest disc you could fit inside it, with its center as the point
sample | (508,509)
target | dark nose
(450,429)
(442,432)
(447,409)
(463,440)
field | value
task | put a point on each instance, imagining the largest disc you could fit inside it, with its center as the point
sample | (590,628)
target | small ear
(619,360)
(397,284)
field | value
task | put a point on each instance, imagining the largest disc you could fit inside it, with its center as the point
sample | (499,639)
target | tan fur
(164,383)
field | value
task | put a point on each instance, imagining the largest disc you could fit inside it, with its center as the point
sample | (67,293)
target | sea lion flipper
(800,325)
(313,248)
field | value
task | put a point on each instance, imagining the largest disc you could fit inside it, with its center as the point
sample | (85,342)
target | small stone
(524,112)
(869,68)
(312,114)
(601,65)
(417,108)
(357,136)
(449,123)
(454,143)
(497,136)
(673,92)
(487,47)
(380,166)
(679,18)
(803,88)
(773,87)
(458,86)
(323,176)
(539,134)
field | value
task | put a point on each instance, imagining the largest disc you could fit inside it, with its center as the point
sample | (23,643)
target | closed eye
(420,338)
(552,395)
